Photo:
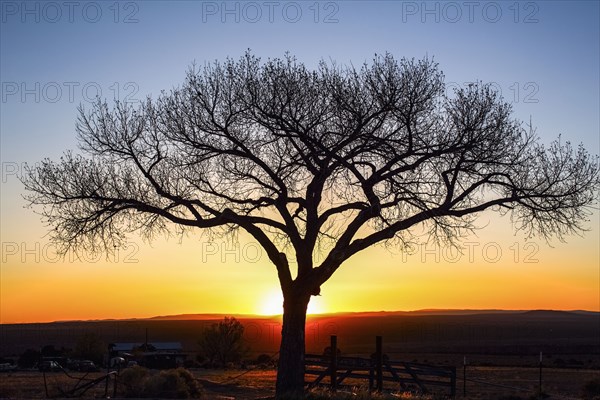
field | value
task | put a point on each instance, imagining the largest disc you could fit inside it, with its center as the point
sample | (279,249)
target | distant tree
(89,346)
(316,165)
(223,342)
(29,358)
(50,350)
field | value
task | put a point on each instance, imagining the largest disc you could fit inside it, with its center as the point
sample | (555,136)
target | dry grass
(30,385)
(363,394)
(563,384)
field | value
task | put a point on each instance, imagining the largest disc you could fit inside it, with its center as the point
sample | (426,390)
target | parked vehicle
(85,366)
(6,367)
(48,366)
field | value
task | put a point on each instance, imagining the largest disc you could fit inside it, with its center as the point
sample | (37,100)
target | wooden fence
(83,384)
(335,371)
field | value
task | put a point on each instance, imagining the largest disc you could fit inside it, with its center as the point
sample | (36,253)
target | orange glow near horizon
(272,304)
(497,270)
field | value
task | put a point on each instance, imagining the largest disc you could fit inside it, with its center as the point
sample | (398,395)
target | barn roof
(160,346)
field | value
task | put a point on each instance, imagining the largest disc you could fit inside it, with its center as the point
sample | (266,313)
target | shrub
(193,387)
(89,346)
(133,379)
(169,384)
(29,358)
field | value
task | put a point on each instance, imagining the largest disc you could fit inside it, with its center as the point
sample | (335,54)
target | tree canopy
(318,164)
(306,157)
(223,342)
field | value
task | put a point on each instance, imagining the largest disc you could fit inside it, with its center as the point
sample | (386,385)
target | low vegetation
(260,383)
(177,383)
(362,394)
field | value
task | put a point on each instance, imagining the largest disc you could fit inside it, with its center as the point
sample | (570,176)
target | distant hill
(197,317)
(423,331)
(424,312)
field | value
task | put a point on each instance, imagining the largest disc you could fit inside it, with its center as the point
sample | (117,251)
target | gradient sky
(542,56)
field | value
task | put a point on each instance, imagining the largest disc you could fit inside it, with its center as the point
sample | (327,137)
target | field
(258,384)
(489,333)
(501,348)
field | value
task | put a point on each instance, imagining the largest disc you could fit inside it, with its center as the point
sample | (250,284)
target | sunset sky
(543,56)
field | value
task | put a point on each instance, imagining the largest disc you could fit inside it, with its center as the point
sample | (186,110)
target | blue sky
(544,56)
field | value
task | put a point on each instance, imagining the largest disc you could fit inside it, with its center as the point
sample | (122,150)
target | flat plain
(501,349)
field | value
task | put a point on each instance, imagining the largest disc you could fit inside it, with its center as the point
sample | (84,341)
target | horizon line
(181,317)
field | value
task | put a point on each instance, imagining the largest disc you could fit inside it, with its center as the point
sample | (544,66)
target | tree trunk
(290,370)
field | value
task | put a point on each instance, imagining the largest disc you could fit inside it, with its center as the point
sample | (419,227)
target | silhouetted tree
(316,165)
(223,342)
(29,358)
(89,346)
(50,350)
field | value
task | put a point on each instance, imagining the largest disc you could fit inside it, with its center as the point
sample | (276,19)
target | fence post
(540,383)
(107,372)
(379,362)
(465,376)
(453,383)
(333,365)
(46,385)
(116,376)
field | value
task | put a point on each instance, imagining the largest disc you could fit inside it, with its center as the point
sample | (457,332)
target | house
(156,355)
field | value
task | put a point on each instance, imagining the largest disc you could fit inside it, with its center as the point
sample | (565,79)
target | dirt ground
(483,383)
(216,384)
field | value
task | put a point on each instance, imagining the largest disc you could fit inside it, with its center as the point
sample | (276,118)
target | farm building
(157,355)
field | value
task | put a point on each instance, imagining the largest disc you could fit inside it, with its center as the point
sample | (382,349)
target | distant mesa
(424,312)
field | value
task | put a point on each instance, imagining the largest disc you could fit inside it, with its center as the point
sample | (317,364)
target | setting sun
(272,304)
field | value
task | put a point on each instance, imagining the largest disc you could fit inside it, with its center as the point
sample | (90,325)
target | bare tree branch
(332,160)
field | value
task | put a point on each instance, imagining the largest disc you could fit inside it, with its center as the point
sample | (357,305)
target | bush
(172,384)
(29,358)
(133,380)
(169,384)
(194,387)
(89,346)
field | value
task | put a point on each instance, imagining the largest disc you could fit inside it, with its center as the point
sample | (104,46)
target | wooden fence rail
(376,370)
